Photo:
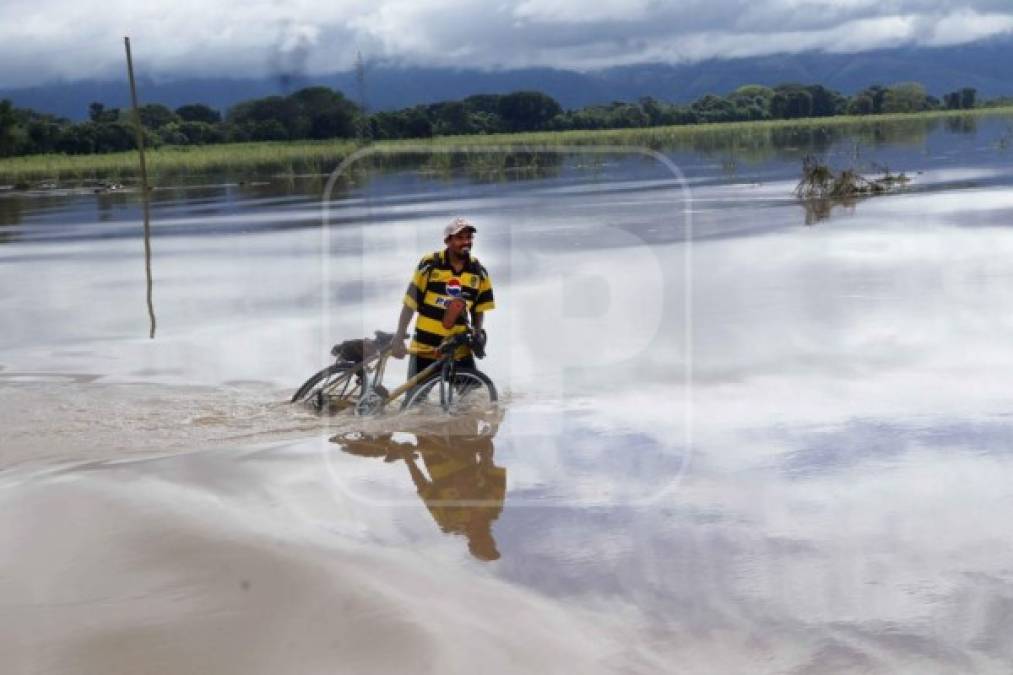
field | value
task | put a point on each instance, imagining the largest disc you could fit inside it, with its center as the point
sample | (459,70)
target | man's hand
(397,348)
(478,338)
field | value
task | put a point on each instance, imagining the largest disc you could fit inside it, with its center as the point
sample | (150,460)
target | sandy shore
(171,567)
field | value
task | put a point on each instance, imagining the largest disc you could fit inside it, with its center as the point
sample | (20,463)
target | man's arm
(397,348)
(484,302)
(412,299)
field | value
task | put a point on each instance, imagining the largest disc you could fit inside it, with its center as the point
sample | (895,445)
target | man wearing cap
(440,278)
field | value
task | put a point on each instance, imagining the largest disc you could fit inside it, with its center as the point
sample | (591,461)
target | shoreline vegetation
(318,157)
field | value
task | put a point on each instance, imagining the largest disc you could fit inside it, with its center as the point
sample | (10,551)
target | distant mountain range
(984,65)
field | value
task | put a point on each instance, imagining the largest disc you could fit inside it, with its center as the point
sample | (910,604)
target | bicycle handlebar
(452,342)
(383,341)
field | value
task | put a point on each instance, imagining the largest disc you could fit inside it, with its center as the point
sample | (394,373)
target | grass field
(301,157)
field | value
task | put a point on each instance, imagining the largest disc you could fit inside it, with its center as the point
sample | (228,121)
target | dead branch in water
(819,181)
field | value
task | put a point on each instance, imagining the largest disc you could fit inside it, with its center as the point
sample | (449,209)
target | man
(441,278)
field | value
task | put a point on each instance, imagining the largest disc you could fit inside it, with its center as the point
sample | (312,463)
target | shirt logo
(454,288)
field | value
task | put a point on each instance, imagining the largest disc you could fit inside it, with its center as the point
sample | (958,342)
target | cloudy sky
(44,40)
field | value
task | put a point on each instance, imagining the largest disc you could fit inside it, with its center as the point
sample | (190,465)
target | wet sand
(189,565)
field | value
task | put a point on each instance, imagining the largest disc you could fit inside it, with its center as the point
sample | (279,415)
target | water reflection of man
(459,483)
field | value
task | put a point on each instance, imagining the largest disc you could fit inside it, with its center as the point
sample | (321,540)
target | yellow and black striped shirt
(433,284)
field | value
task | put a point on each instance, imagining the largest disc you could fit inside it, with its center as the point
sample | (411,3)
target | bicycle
(357,383)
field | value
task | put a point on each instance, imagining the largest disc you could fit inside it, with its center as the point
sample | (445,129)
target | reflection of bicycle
(355,379)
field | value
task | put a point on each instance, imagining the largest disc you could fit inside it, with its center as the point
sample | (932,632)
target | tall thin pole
(144,189)
(364,131)
(137,119)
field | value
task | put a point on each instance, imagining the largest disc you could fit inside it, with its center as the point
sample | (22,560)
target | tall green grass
(252,158)
(741,139)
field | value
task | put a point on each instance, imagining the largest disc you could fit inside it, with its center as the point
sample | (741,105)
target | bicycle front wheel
(471,391)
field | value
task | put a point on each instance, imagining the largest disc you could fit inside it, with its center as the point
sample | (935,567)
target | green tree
(270,118)
(656,112)
(95,111)
(406,123)
(323,113)
(861,104)
(905,97)
(713,108)
(752,102)
(117,137)
(876,94)
(626,116)
(98,113)
(42,135)
(483,103)
(791,101)
(202,133)
(77,139)
(825,102)
(172,134)
(450,118)
(968,97)
(416,124)
(753,91)
(198,112)
(268,130)
(8,123)
(156,115)
(527,110)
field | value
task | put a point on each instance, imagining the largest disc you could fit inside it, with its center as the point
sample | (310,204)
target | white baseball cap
(455,226)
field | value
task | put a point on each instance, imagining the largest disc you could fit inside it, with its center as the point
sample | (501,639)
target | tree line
(323,113)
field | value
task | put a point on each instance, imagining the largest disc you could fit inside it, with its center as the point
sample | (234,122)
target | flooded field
(737,432)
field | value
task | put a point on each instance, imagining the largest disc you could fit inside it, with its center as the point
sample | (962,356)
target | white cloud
(960,27)
(52,39)
(569,11)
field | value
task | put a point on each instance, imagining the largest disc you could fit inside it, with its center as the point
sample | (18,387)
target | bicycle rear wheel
(472,391)
(335,382)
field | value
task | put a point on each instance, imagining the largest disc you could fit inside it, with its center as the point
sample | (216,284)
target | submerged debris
(819,181)
(104,187)
(52,187)
(821,188)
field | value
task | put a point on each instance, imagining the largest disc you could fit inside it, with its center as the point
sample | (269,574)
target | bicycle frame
(445,361)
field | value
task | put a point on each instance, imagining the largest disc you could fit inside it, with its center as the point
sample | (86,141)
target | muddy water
(730,441)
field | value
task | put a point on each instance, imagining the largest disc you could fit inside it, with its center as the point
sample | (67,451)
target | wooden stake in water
(144,187)
(137,118)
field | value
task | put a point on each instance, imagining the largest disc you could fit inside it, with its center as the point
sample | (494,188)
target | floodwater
(736,434)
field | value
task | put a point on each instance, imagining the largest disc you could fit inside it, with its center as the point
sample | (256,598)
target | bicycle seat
(383,338)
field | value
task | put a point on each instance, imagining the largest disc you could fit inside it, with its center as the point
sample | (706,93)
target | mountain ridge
(388,86)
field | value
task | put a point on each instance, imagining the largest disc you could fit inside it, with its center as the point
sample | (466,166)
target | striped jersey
(433,284)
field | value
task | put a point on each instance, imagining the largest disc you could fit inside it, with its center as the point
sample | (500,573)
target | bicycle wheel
(335,380)
(472,391)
